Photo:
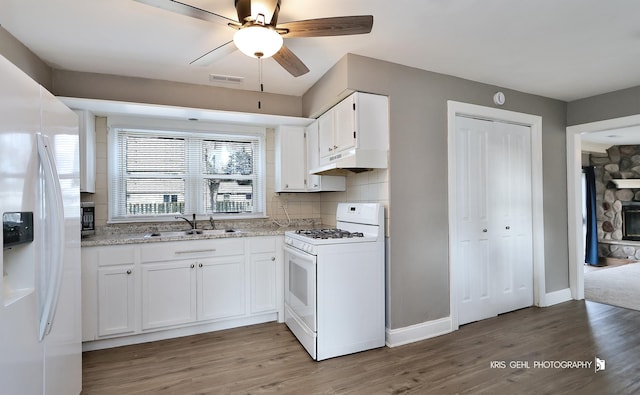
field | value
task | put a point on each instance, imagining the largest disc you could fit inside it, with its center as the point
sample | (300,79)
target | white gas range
(334,283)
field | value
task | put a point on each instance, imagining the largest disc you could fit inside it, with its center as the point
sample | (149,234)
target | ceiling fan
(259,35)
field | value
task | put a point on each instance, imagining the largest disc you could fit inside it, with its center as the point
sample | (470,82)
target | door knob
(129,271)
(485,230)
(273,258)
(507,227)
(200,265)
(192,265)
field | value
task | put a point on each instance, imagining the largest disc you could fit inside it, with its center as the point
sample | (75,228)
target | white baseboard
(442,326)
(556,297)
(177,332)
(417,332)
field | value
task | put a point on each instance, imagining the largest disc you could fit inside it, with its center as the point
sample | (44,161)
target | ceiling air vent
(225,79)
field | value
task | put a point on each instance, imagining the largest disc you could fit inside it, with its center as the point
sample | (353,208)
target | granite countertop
(137,238)
(155,233)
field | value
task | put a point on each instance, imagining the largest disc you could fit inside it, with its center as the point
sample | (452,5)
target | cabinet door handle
(273,258)
(335,147)
(507,227)
(129,271)
(484,230)
(330,149)
(200,265)
(195,251)
(192,265)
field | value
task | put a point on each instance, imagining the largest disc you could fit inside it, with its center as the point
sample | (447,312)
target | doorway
(461,267)
(575,195)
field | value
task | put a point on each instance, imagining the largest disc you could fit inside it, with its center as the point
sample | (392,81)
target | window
(161,174)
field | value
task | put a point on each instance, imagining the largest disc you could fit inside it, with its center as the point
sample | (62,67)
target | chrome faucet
(192,223)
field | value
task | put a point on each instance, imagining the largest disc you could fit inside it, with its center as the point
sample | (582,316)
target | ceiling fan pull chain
(260,80)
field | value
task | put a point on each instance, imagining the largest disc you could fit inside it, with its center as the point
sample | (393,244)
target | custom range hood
(353,136)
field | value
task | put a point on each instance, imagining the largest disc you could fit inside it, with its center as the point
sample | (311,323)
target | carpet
(618,286)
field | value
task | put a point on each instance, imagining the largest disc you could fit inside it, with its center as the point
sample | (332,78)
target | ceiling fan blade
(215,54)
(243,8)
(322,27)
(186,9)
(248,10)
(290,62)
(276,11)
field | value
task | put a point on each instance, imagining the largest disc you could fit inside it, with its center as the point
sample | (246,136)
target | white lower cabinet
(89,259)
(108,292)
(168,294)
(116,300)
(263,282)
(265,273)
(221,288)
(145,288)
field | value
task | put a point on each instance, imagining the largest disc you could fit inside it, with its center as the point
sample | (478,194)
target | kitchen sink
(219,231)
(191,232)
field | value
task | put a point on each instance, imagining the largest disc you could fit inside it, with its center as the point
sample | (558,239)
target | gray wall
(419,269)
(21,56)
(142,90)
(611,105)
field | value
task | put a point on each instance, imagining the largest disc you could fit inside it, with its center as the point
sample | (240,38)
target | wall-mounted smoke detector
(225,79)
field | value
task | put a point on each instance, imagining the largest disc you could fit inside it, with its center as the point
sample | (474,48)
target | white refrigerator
(40,292)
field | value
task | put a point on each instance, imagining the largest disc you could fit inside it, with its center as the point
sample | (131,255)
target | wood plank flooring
(267,358)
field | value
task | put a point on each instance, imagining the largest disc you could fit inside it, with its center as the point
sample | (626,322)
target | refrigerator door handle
(55,214)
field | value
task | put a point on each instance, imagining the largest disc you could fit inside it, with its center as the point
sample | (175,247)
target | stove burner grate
(328,233)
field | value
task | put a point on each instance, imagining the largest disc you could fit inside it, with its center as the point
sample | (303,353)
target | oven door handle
(300,254)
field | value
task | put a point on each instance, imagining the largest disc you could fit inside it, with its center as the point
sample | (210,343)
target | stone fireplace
(617,205)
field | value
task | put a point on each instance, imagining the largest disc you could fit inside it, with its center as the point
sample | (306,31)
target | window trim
(200,130)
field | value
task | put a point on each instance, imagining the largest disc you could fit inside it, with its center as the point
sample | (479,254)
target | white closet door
(494,241)
(474,277)
(511,217)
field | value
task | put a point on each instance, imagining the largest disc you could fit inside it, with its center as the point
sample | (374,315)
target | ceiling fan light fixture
(258,41)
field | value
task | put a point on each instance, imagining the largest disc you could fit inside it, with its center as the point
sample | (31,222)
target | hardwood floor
(268,359)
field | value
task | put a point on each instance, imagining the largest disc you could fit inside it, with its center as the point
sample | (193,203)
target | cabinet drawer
(116,255)
(158,252)
(262,244)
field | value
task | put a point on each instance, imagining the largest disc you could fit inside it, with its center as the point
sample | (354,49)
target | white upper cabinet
(318,183)
(291,169)
(296,152)
(325,134)
(344,125)
(354,134)
(87,126)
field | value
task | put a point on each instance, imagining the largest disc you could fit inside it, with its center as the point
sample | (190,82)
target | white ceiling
(623,136)
(563,49)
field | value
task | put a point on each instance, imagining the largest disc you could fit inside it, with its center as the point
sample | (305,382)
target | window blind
(162,173)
